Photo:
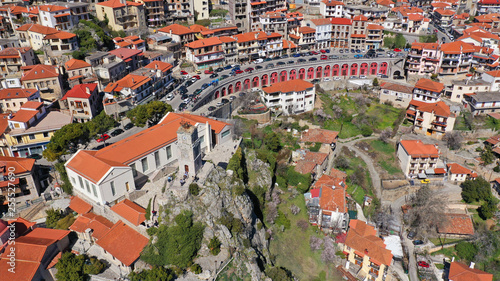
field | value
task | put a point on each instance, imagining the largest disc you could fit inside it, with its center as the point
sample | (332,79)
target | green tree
(66,184)
(93,266)
(155,274)
(487,155)
(237,164)
(66,139)
(196,268)
(476,190)
(466,250)
(389,42)
(53,216)
(279,274)
(71,267)
(175,244)
(272,141)
(366,131)
(375,82)
(148,210)
(100,124)
(400,41)
(65,222)
(138,115)
(149,114)
(214,246)
(488,208)
(194,189)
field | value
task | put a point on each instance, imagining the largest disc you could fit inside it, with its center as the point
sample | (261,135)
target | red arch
(223,91)
(217,94)
(283,76)
(255,82)
(319,72)
(326,72)
(274,77)
(344,70)
(373,68)
(265,79)
(383,68)
(237,87)
(363,70)
(310,73)
(293,74)
(246,84)
(354,69)
(335,71)
(229,89)
(302,73)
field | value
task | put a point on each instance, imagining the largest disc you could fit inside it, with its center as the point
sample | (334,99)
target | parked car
(341,51)
(353,77)
(259,67)
(268,59)
(184,72)
(258,61)
(296,55)
(314,53)
(301,60)
(423,264)
(397,50)
(34,156)
(425,181)
(197,71)
(238,71)
(284,56)
(223,77)
(198,91)
(214,75)
(290,62)
(322,51)
(337,78)
(204,86)
(315,81)
(326,79)
(358,56)
(380,50)
(280,63)
(362,76)
(208,72)
(358,51)
(313,59)
(211,108)
(103,138)
(224,101)
(116,132)
(411,235)
(232,97)
(189,83)
(197,77)
(128,126)
(219,69)
(418,242)
(249,69)
(323,57)
(182,106)
(227,67)
(170,97)
(219,104)
(269,66)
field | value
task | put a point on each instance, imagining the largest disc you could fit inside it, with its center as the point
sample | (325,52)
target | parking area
(94,144)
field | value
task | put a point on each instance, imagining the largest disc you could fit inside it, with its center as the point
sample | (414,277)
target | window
(144,163)
(45,134)
(73,180)
(113,191)
(157,159)
(94,189)
(225,133)
(169,152)
(87,185)
(31,136)
(134,170)
(81,182)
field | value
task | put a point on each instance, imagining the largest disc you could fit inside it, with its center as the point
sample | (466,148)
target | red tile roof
(417,148)
(494,139)
(428,46)
(444,12)
(163,66)
(457,47)
(316,157)
(12,52)
(30,248)
(51,8)
(202,43)
(319,135)
(23,116)
(130,211)
(458,169)
(48,233)
(176,29)
(375,27)
(461,272)
(198,28)
(131,81)
(123,243)
(79,205)
(118,4)
(362,238)
(92,168)
(427,84)
(330,3)
(99,225)
(125,53)
(341,21)
(494,73)
(289,86)
(458,224)
(437,108)
(75,64)
(322,21)
(306,30)
(360,18)
(25,270)
(334,173)
(305,167)
(14,93)
(17,164)
(80,91)
(396,87)
(332,195)
(39,71)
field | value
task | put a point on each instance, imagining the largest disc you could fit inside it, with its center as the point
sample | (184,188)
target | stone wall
(261,118)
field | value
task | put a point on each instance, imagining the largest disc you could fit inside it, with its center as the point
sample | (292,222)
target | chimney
(366,251)
(452,259)
(87,90)
(133,80)
(472,264)
(10,115)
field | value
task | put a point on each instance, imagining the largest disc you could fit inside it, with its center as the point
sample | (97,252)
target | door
(127,186)
(186,168)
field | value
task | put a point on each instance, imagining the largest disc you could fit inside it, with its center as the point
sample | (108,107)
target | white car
(170,97)
(326,79)
(362,76)
(337,78)
(258,61)
(219,104)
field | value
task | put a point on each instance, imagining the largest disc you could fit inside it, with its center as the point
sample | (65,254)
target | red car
(323,51)
(238,71)
(209,72)
(103,138)
(323,57)
(314,53)
(397,50)
(183,72)
(197,77)
(423,264)
(249,69)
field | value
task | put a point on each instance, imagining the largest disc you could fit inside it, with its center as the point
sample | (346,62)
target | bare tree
(453,140)
(385,135)
(272,212)
(328,254)
(238,128)
(384,219)
(426,212)
(303,224)
(337,111)
(341,162)
(294,209)
(315,243)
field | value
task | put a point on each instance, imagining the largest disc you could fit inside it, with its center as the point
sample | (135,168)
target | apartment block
(205,53)
(154,11)
(122,14)
(427,90)
(46,78)
(179,10)
(55,16)
(341,33)
(431,119)
(415,157)
(12,59)
(358,32)
(481,103)
(456,58)
(291,97)
(423,58)
(323,32)
(83,102)
(331,8)
(12,99)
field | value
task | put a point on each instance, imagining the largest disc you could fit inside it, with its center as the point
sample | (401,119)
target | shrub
(148,210)
(466,250)
(152,231)
(196,269)
(282,220)
(366,131)
(303,224)
(214,246)
(65,222)
(194,189)
(53,216)
(315,148)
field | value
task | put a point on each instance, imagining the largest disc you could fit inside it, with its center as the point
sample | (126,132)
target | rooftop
(130,211)
(461,272)
(481,97)
(427,84)
(319,135)
(54,120)
(297,85)
(79,205)
(362,238)
(416,148)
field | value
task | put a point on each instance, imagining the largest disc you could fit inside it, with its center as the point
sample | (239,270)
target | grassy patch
(439,265)
(389,168)
(385,155)
(229,274)
(447,252)
(357,193)
(443,241)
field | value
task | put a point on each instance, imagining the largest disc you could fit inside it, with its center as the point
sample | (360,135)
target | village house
(456,58)
(12,59)
(26,183)
(426,90)
(398,94)
(459,173)
(459,88)
(323,31)
(109,174)
(107,67)
(83,102)
(367,255)
(291,97)
(122,15)
(423,58)
(341,29)
(178,33)
(481,103)
(327,138)
(327,204)
(432,119)
(46,78)
(461,272)
(313,163)
(415,157)
(205,53)
(11,100)
(130,42)
(55,16)
(456,226)
(331,8)
(38,37)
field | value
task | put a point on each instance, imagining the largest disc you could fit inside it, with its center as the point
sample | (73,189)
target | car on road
(224,101)
(358,51)
(258,61)
(250,69)
(362,76)
(223,77)
(198,91)
(219,104)
(284,56)
(269,66)
(220,69)
(197,71)
(34,156)
(326,79)
(280,63)
(301,60)
(423,264)
(425,181)
(128,126)
(238,71)
(215,75)
(103,138)
(259,67)
(358,56)
(170,97)
(315,81)
(296,55)
(290,62)
(323,51)
(380,50)
(184,72)
(241,94)
(314,53)
(323,57)
(418,242)
(204,86)
(227,67)
(189,83)
(353,77)
(116,132)
(182,106)
(209,72)
(341,51)
(212,108)
(337,78)
(232,97)
(397,50)
(268,59)
(313,59)
(197,77)
(333,57)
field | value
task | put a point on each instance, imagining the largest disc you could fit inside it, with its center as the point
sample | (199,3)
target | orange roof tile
(176,29)
(123,243)
(437,108)
(428,46)
(316,157)
(331,3)
(14,93)
(334,173)
(17,164)
(321,21)
(198,28)
(458,169)
(80,91)
(131,81)
(494,73)
(289,86)
(202,43)
(458,224)
(25,270)
(30,248)
(12,52)
(99,225)
(461,272)
(375,27)
(118,4)
(79,205)
(360,18)
(444,12)
(341,21)
(227,39)
(92,168)
(332,195)
(39,71)
(362,238)
(427,84)
(305,167)
(306,29)
(51,8)
(48,233)
(32,105)
(457,47)
(75,64)
(163,66)
(320,135)
(417,148)
(54,261)
(130,211)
